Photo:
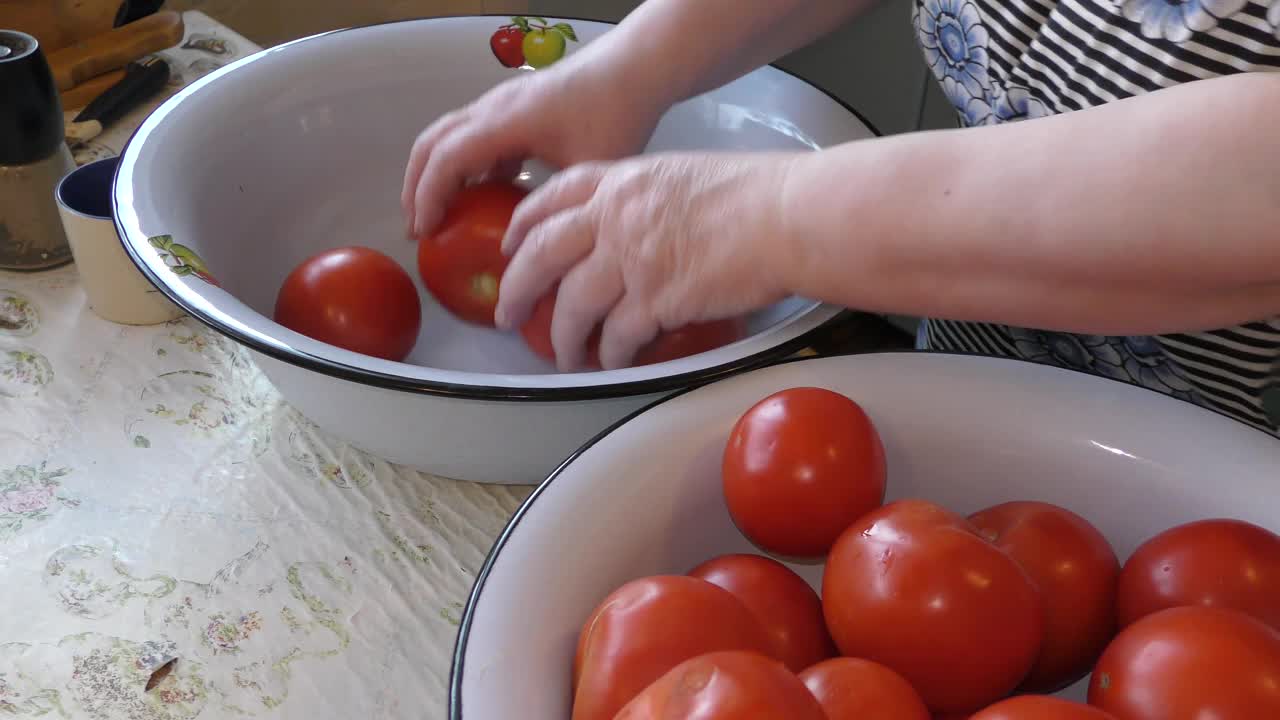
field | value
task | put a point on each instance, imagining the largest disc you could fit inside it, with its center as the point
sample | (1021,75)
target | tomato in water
(1076,571)
(461,262)
(690,340)
(801,466)
(733,685)
(354,298)
(1216,563)
(669,345)
(1041,707)
(913,586)
(1190,662)
(786,606)
(856,689)
(650,625)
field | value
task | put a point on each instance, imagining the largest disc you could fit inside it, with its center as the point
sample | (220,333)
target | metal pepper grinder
(33,157)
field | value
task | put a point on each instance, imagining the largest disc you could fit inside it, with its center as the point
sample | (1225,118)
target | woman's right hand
(578,110)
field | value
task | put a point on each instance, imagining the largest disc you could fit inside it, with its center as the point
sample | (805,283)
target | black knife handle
(141,80)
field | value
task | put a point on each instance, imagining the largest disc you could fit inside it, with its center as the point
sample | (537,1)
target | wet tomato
(669,345)
(650,625)
(734,685)
(1190,663)
(1075,570)
(1041,707)
(461,262)
(801,466)
(354,298)
(1216,563)
(786,606)
(856,689)
(914,587)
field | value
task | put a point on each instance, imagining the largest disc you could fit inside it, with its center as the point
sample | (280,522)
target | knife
(141,81)
(79,96)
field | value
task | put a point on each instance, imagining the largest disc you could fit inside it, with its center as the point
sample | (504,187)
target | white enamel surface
(966,432)
(490,442)
(302,148)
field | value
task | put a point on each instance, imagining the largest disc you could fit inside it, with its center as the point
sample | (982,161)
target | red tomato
(1216,563)
(1040,707)
(650,625)
(801,466)
(733,685)
(855,689)
(671,345)
(355,298)
(537,332)
(914,587)
(1189,663)
(786,606)
(1075,569)
(462,262)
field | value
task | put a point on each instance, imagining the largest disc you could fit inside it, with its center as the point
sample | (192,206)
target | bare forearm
(676,49)
(1155,214)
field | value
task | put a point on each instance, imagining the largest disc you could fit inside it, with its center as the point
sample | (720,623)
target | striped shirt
(1007,60)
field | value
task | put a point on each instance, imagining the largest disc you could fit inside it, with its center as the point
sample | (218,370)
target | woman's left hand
(647,244)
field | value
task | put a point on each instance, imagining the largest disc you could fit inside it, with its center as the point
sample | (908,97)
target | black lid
(30,111)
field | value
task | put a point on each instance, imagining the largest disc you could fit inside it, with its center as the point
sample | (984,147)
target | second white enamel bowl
(242,175)
(966,432)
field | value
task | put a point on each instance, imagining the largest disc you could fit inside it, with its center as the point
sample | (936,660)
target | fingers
(567,189)
(628,328)
(506,169)
(418,156)
(555,245)
(465,152)
(585,296)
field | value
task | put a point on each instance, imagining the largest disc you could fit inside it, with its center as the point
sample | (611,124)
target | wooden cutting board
(84,93)
(115,48)
(59,23)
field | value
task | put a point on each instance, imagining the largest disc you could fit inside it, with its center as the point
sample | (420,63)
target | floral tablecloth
(158,500)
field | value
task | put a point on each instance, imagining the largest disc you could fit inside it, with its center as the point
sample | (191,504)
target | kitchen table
(158,501)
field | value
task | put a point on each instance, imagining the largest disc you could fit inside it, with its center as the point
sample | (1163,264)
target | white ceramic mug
(116,290)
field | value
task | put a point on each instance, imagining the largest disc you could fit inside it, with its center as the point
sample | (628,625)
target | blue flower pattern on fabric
(1017,103)
(1134,359)
(1177,20)
(974,111)
(954,42)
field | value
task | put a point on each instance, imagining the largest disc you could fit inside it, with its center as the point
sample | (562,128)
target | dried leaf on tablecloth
(160,674)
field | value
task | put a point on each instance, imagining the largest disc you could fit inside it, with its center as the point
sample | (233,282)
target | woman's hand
(647,244)
(580,109)
(603,101)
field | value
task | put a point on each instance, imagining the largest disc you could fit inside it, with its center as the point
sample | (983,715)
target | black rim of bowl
(284,352)
(458,664)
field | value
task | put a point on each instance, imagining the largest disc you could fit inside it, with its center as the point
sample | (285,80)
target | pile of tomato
(925,614)
(362,300)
